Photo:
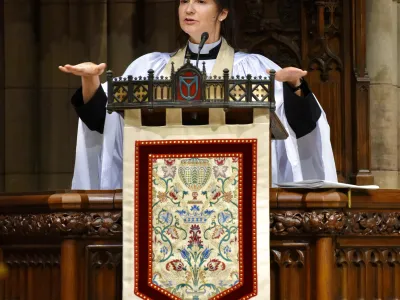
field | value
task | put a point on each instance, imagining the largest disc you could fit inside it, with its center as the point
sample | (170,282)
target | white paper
(323,184)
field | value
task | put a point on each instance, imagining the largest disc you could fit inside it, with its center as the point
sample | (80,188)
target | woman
(306,154)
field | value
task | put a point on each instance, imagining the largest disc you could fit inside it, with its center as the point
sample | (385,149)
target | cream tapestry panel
(196,209)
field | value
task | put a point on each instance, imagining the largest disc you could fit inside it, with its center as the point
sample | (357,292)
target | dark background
(38,124)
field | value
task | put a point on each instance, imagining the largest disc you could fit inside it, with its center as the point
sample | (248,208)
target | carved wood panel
(34,272)
(307,35)
(334,222)
(290,270)
(104,272)
(368,273)
(316,36)
(65,223)
(271,28)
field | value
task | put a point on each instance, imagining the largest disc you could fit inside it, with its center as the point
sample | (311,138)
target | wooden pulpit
(196,195)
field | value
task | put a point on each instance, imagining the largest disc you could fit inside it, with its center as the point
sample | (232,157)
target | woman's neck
(213,38)
(206,49)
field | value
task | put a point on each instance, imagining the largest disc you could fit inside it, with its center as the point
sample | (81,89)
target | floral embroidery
(195,226)
(169,168)
(162,197)
(217,232)
(228,197)
(177,265)
(214,264)
(173,233)
(220,169)
(195,239)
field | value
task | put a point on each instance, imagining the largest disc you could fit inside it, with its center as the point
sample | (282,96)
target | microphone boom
(204,38)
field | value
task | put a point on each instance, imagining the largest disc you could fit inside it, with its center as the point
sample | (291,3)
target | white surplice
(99,157)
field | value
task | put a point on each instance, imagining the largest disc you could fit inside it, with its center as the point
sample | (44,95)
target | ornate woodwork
(32,260)
(282,223)
(315,238)
(78,241)
(314,222)
(290,268)
(104,266)
(59,224)
(374,272)
(33,272)
(326,38)
(271,28)
(335,222)
(372,223)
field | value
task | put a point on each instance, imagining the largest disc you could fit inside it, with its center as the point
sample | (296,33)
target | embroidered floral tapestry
(195,224)
(194,217)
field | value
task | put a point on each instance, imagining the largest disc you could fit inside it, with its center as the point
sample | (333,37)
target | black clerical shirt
(302,112)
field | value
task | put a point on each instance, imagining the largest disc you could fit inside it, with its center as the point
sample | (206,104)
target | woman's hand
(86,69)
(290,75)
(89,73)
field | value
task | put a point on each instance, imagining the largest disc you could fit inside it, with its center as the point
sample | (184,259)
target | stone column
(56,156)
(382,65)
(2,100)
(398,82)
(21,95)
(122,41)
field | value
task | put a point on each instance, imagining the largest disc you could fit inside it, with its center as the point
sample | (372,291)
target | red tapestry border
(248,148)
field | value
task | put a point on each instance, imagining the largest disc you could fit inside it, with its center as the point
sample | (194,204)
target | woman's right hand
(90,74)
(86,69)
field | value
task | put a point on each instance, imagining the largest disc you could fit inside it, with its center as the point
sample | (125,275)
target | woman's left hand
(290,75)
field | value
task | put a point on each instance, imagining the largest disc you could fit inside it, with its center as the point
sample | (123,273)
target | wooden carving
(288,257)
(318,222)
(335,222)
(277,37)
(104,258)
(56,224)
(33,272)
(366,273)
(324,27)
(363,223)
(290,267)
(108,224)
(28,259)
(316,36)
(104,266)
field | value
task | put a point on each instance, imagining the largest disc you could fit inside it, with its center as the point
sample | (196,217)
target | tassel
(349,197)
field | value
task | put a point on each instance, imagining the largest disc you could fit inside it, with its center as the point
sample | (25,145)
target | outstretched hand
(290,75)
(86,69)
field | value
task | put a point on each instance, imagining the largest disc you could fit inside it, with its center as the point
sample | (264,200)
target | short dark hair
(228,28)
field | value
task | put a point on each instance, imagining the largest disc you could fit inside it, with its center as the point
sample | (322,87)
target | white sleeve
(99,157)
(311,156)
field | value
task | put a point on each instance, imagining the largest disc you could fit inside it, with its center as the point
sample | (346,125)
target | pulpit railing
(189,87)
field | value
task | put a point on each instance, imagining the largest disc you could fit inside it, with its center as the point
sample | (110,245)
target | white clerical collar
(206,49)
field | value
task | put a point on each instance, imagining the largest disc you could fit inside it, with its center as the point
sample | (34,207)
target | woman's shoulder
(254,64)
(255,60)
(153,60)
(152,57)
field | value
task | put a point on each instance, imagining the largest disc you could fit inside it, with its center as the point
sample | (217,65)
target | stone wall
(383,65)
(38,124)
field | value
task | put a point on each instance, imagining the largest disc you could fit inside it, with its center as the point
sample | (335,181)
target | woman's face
(198,16)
